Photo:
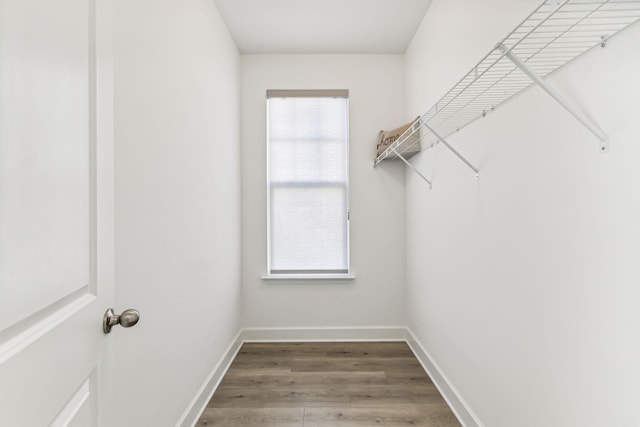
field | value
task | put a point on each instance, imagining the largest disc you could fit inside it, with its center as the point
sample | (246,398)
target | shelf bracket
(453,150)
(586,122)
(413,168)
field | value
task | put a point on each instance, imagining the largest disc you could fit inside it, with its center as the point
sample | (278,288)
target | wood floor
(326,384)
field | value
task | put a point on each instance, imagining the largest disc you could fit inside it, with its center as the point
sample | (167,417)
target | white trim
(313,277)
(93,149)
(68,414)
(458,405)
(203,396)
(324,334)
(45,323)
(307,93)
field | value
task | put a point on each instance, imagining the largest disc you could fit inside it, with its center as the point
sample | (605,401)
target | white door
(56,211)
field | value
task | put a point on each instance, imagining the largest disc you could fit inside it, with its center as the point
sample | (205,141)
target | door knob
(127,319)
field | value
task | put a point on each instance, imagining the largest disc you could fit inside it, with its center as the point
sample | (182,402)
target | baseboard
(199,403)
(324,334)
(457,404)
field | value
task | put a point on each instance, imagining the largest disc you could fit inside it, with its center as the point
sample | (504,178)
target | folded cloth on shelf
(388,137)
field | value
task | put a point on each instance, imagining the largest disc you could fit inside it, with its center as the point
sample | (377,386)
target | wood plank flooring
(324,384)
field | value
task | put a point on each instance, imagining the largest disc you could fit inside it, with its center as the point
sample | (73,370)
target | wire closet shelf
(555,33)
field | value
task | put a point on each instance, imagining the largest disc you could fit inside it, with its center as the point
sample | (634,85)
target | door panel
(78,411)
(56,210)
(44,156)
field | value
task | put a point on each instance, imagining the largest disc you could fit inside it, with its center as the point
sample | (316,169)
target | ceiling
(322,26)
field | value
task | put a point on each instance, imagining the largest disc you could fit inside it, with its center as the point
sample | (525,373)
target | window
(307,175)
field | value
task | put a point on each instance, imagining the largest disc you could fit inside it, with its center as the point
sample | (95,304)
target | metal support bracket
(586,122)
(453,150)
(416,128)
(413,168)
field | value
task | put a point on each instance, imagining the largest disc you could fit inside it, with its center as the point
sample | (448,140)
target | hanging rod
(551,36)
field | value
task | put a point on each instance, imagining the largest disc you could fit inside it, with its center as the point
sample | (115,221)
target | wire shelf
(554,34)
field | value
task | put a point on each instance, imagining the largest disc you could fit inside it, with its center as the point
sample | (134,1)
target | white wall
(376,296)
(523,286)
(177,203)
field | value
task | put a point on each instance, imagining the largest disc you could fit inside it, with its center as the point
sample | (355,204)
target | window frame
(310,273)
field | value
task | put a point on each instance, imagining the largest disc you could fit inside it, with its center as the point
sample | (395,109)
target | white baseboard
(199,403)
(457,404)
(459,407)
(324,334)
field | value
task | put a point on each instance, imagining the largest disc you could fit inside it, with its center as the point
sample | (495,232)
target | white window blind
(307,134)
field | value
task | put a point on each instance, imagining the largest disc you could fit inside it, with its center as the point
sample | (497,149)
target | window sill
(305,277)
